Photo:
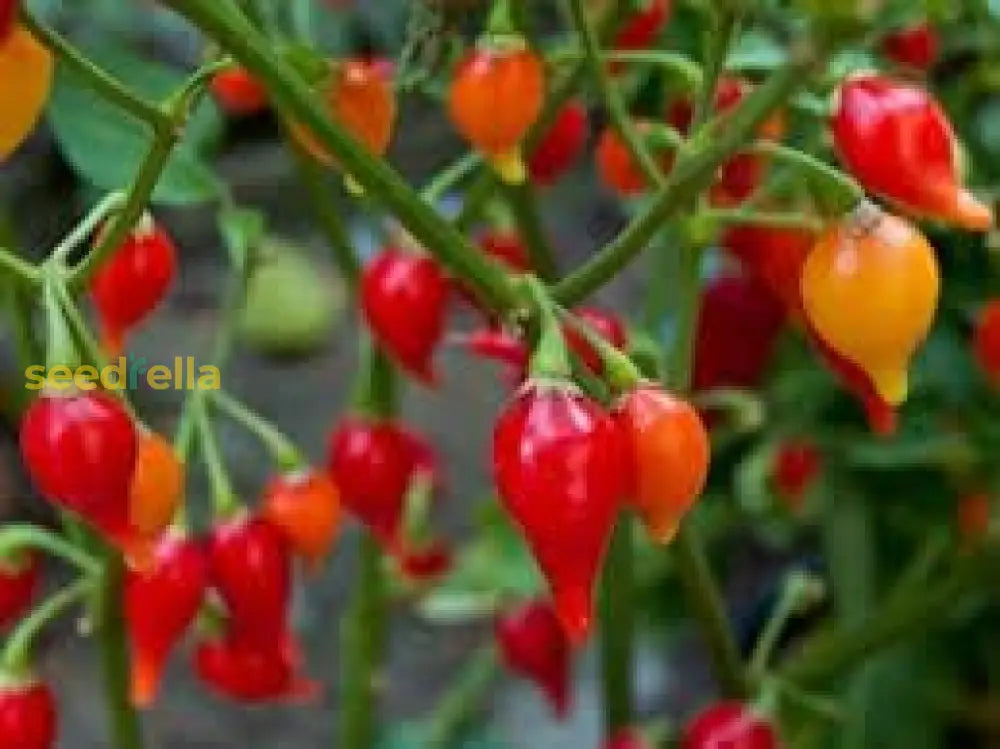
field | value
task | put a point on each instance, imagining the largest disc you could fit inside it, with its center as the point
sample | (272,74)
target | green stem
(680,359)
(20,269)
(330,220)
(795,594)
(108,87)
(375,393)
(550,359)
(619,370)
(18,536)
(363,635)
(225,502)
(60,348)
(524,207)
(849,190)
(617,611)
(83,230)
(725,24)
(283,451)
(767,219)
(456,709)
(17,653)
(125,728)
(694,170)
(450,177)
(612,98)
(298,102)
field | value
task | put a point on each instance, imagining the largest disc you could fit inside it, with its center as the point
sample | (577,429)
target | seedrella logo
(126,373)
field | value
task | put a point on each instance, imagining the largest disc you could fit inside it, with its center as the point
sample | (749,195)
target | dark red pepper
(986,340)
(797,464)
(729,725)
(19,579)
(80,449)
(561,145)
(916,46)
(533,645)
(404,298)
(642,28)
(161,602)
(8,16)
(562,468)
(254,672)
(776,257)
(238,92)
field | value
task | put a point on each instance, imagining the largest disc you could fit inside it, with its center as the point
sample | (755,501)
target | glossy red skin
(238,92)
(561,145)
(404,298)
(627,739)
(161,602)
(252,672)
(797,465)
(8,16)
(986,340)
(19,580)
(608,325)
(533,645)
(500,346)
(132,282)
(507,248)
(916,46)
(776,257)
(373,463)
(737,330)
(250,567)
(616,166)
(28,717)
(79,449)
(427,564)
(561,466)
(729,725)
(898,142)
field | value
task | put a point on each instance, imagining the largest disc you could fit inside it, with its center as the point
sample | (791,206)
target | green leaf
(756,51)
(105,146)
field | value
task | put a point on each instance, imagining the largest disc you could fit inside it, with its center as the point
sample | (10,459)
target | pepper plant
(807,187)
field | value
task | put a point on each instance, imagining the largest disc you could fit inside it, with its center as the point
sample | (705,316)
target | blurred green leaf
(756,51)
(105,146)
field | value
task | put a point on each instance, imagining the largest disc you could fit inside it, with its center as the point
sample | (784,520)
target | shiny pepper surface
(898,142)
(561,145)
(495,98)
(238,92)
(254,672)
(870,289)
(161,602)
(28,717)
(533,645)
(157,484)
(305,507)
(986,341)
(133,281)
(729,725)
(26,68)
(361,100)
(670,451)
(562,470)
(916,46)
(250,566)
(404,298)
(373,463)
(19,579)
(79,449)
(774,256)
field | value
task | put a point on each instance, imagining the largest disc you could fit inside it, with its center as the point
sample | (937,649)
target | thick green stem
(617,610)
(363,635)
(694,170)
(125,728)
(298,102)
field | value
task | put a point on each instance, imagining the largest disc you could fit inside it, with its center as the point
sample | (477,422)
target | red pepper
(916,46)
(627,738)
(737,330)
(250,567)
(606,324)
(133,281)
(404,298)
(161,602)
(533,644)
(28,717)
(561,145)
(797,464)
(238,92)
(642,28)
(896,139)
(19,579)
(986,341)
(373,463)
(729,725)
(428,563)
(254,672)
(561,466)
(776,257)
(80,450)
